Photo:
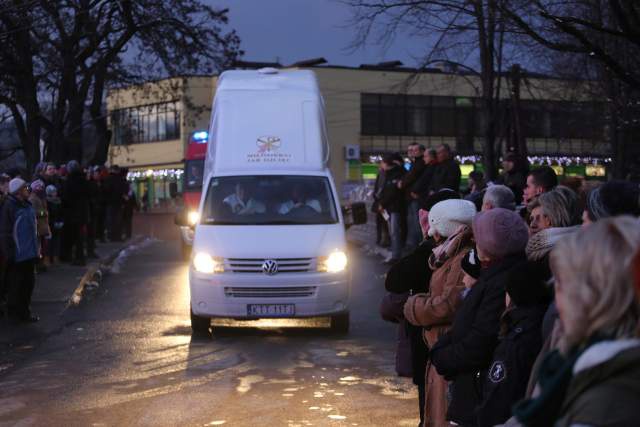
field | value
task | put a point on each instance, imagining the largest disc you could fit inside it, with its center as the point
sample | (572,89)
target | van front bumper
(228,295)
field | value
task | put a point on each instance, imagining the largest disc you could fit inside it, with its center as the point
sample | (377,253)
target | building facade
(369,110)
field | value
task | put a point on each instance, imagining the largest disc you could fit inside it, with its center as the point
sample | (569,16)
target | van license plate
(271,310)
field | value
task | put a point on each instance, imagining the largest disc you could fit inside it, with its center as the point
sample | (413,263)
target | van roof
(269,79)
(267,120)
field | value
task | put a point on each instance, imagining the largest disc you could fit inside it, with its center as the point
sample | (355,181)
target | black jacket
(422,184)
(75,199)
(411,177)
(468,347)
(115,187)
(412,272)
(505,382)
(446,175)
(391,197)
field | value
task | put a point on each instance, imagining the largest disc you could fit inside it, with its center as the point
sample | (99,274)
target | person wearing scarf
(463,353)
(594,377)
(449,225)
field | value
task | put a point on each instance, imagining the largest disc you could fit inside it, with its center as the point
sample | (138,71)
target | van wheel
(200,325)
(186,252)
(340,323)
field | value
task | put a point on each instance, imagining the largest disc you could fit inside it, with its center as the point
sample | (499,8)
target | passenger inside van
(241,201)
(299,200)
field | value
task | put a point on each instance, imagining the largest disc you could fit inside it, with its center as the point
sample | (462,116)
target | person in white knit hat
(447,216)
(450,226)
(19,244)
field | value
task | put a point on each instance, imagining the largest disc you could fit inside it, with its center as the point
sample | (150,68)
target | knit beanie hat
(471,264)
(526,285)
(447,216)
(51,190)
(500,232)
(16,184)
(613,198)
(37,185)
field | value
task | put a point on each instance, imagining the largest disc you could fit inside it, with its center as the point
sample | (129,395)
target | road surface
(127,357)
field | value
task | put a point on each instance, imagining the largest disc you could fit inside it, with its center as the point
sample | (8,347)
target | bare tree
(59,57)
(458,32)
(599,40)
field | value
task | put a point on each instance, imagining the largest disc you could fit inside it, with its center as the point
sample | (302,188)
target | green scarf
(554,378)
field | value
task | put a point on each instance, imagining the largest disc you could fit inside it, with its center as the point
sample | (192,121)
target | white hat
(445,217)
(16,184)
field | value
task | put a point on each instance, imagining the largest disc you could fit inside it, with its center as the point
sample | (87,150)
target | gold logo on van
(268,144)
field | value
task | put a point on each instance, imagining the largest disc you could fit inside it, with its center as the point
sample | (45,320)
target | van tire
(340,323)
(200,325)
(186,251)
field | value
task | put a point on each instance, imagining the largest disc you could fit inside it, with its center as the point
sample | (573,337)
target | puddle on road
(337,417)
(216,423)
(247,382)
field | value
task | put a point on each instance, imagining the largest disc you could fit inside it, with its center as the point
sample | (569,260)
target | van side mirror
(355,214)
(181,218)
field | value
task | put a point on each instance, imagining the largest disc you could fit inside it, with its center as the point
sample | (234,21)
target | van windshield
(269,200)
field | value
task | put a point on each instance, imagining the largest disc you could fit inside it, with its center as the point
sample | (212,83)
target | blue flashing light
(200,136)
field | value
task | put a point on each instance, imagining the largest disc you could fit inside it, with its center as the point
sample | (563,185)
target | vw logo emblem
(270,267)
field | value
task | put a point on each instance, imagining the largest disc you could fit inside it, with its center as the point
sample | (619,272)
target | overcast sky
(293,30)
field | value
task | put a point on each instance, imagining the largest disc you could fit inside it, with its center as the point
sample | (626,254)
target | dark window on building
(148,123)
(464,117)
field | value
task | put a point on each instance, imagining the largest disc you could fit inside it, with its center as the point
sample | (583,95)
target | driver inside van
(299,200)
(241,202)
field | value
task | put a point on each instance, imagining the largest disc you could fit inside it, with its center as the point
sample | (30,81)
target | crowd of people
(57,215)
(520,303)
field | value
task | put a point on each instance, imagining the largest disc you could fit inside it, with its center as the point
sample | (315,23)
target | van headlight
(205,263)
(334,263)
(193,217)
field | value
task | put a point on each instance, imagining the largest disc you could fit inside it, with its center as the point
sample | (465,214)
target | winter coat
(422,184)
(18,230)
(412,272)
(54,205)
(391,197)
(75,199)
(42,215)
(410,178)
(377,190)
(435,311)
(605,388)
(446,175)
(505,382)
(468,347)
(115,188)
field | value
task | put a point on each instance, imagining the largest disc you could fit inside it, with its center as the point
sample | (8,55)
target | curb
(92,278)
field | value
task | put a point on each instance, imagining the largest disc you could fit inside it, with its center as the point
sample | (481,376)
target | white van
(270,240)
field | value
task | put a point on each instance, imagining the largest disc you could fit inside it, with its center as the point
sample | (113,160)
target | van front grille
(254,265)
(280,292)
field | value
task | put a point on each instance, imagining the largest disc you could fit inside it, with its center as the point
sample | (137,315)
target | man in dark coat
(75,211)
(19,243)
(447,172)
(382,227)
(467,349)
(115,189)
(421,187)
(416,153)
(391,203)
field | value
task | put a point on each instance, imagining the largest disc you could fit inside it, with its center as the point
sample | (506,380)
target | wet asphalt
(126,357)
